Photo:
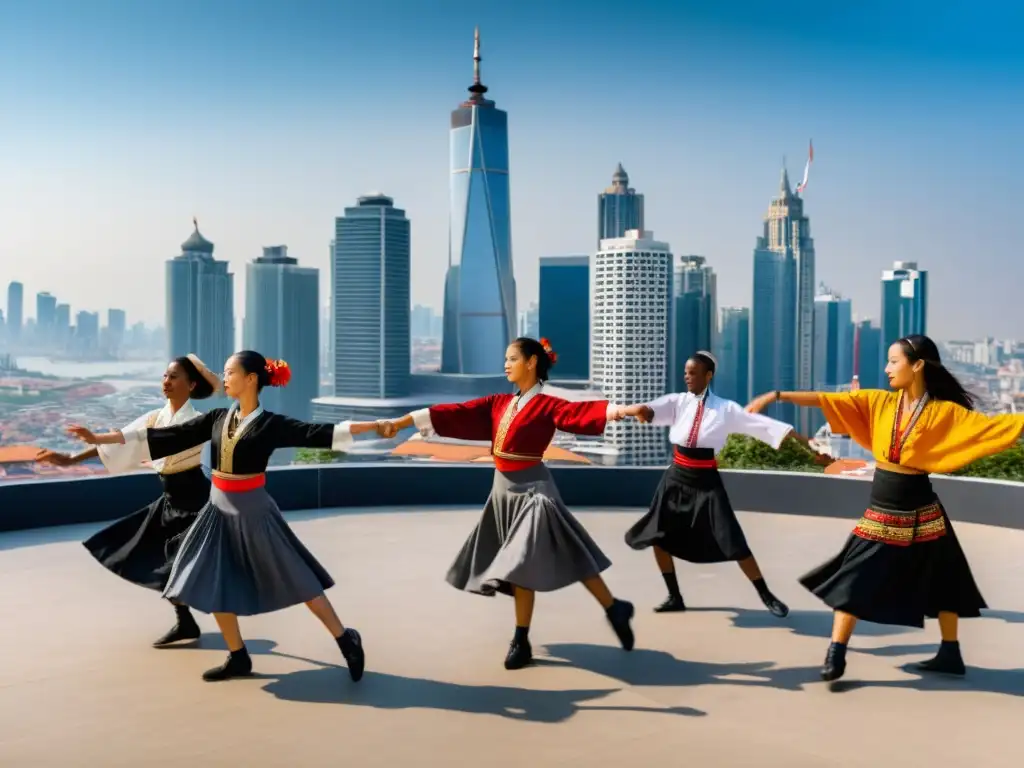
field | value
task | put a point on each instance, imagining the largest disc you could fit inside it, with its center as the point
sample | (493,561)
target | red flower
(280,373)
(552,355)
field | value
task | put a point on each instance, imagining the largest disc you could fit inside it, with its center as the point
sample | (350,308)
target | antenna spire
(478,89)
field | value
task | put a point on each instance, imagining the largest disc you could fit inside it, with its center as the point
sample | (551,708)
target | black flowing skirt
(140,548)
(691,516)
(902,563)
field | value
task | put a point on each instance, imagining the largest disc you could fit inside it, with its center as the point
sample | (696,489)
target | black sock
(839,646)
(241,653)
(672,584)
(762,588)
(182,612)
(522,635)
(950,644)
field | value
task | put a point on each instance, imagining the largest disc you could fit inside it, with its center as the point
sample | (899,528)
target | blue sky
(121,120)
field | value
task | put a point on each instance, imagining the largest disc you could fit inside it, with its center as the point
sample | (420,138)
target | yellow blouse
(946,437)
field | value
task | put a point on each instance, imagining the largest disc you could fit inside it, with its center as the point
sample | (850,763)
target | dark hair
(939,383)
(704,359)
(254,362)
(201,388)
(533,348)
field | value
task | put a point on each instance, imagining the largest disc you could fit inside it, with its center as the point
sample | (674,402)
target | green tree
(317,456)
(743,452)
(1008,465)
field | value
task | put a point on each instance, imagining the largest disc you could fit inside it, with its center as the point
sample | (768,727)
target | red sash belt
(240,484)
(678,457)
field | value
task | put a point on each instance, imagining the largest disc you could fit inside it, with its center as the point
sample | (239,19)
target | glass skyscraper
(833,346)
(694,311)
(619,208)
(904,303)
(565,313)
(867,346)
(370,297)
(480,290)
(200,304)
(732,378)
(782,315)
(282,321)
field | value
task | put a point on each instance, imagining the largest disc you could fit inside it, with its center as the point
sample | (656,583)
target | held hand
(54,457)
(823,459)
(646,415)
(760,402)
(618,413)
(386,428)
(82,434)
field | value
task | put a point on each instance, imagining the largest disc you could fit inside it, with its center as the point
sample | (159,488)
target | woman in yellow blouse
(903,562)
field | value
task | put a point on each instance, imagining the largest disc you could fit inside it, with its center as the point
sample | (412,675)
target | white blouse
(124,457)
(721,418)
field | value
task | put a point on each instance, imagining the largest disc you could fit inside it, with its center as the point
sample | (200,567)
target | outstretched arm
(292,433)
(65,460)
(464,421)
(803,399)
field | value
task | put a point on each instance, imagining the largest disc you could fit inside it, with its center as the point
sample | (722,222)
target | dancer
(240,558)
(141,547)
(526,541)
(691,517)
(903,562)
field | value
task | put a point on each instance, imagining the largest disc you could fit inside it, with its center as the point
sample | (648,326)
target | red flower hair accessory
(280,373)
(549,350)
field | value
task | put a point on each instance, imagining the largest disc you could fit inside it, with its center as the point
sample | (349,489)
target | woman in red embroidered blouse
(526,541)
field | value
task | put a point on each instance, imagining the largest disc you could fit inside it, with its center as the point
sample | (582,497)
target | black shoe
(947,661)
(351,645)
(619,614)
(775,606)
(835,663)
(184,629)
(519,655)
(237,664)
(673,604)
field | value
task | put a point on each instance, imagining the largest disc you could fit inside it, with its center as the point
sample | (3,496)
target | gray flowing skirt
(241,557)
(526,537)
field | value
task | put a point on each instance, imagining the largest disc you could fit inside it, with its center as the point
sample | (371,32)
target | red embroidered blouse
(518,439)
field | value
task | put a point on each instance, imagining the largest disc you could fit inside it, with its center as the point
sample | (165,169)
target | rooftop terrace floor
(723,684)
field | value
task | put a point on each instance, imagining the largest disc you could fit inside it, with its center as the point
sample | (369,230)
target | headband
(704,353)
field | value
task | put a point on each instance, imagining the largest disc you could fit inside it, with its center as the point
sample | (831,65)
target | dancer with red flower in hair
(526,541)
(240,558)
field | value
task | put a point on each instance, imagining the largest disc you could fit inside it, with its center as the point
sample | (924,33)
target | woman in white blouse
(691,517)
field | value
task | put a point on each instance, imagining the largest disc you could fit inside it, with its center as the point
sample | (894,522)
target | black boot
(771,602)
(184,629)
(835,662)
(674,603)
(351,645)
(237,664)
(520,653)
(619,614)
(948,660)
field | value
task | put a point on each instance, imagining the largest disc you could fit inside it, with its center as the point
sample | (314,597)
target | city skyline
(880,156)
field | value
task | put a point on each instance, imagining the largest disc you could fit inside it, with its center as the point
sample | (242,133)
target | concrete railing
(42,503)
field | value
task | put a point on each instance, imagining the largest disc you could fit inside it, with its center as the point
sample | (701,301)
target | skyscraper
(904,302)
(565,313)
(631,290)
(62,325)
(480,290)
(200,303)
(15,298)
(46,317)
(782,312)
(117,324)
(833,346)
(281,321)
(868,354)
(694,311)
(371,300)
(732,377)
(619,208)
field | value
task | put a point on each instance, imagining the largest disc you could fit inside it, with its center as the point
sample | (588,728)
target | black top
(245,453)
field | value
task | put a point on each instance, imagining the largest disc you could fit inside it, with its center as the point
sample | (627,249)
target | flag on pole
(807,168)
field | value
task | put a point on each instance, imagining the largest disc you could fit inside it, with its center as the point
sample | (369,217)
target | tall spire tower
(480,290)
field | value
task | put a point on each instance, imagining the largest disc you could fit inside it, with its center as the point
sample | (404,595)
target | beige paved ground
(720,685)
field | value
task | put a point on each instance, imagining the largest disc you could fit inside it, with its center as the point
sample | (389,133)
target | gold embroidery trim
(185,460)
(228,442)
(902,528)
(229,476)
(503,425)
(517,456)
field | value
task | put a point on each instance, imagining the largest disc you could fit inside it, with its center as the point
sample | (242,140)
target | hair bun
(279,372)
(549,351)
